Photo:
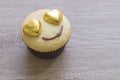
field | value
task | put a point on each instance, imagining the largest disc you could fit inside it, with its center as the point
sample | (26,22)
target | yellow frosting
(48,30)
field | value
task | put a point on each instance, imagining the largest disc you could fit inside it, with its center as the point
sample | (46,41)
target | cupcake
(46,32)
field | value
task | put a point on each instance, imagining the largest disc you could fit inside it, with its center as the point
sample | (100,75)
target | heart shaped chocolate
(53,17)
(32,27)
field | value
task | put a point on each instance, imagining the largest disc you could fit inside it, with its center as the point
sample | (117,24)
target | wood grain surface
(93,52)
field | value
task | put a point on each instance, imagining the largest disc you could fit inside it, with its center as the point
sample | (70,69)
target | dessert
(46,32)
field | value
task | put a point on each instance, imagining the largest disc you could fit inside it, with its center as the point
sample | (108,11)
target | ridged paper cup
(47,55)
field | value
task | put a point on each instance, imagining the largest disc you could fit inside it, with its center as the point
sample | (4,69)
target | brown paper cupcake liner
(47,55)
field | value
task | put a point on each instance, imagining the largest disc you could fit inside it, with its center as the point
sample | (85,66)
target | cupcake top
(46,30)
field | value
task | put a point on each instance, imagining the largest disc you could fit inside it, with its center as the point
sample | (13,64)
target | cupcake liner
(47,55)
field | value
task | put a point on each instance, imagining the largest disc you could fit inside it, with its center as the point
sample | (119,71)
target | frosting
(57,35)
(48,31)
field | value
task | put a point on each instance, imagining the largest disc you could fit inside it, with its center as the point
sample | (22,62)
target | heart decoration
(32,27)
(53,17)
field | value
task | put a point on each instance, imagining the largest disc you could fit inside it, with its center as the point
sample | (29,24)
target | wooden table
(93,53)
